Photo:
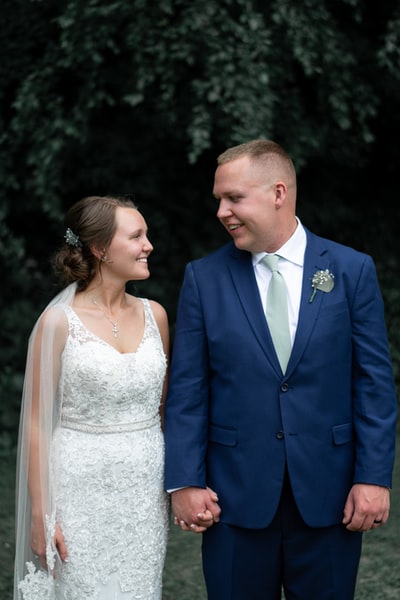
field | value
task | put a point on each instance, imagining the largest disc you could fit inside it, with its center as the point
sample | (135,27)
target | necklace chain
(114,324)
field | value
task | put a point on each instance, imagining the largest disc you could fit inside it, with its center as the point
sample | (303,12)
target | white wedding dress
(107,462)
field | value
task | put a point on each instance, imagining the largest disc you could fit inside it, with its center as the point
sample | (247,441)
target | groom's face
(247,204)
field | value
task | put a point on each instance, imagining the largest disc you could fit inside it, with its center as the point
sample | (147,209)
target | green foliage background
(130,96)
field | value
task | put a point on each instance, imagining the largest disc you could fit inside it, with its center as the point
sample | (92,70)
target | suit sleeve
(374,396)
(186,414)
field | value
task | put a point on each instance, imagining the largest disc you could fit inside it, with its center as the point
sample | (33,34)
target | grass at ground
(379,576)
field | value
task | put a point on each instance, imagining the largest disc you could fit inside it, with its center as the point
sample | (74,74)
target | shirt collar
(293,250)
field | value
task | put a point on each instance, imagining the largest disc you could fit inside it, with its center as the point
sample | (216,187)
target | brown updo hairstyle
(92,220)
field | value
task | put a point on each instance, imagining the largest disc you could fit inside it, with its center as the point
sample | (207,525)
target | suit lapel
(315,259)
(245,285)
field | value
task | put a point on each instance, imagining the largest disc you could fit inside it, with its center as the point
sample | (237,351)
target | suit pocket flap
(222,435)
(342,434)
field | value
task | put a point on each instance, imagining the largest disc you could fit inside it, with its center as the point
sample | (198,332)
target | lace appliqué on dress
(39,584)
(107,466)
(36,584)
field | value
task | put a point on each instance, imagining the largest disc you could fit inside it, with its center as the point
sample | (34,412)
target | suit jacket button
(284,387)
(280,435)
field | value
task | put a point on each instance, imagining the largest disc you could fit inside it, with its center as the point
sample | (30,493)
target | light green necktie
(277,311)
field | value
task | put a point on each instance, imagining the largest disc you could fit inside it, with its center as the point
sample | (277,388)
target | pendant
(115,330)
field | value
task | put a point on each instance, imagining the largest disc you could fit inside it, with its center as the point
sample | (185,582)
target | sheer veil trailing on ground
(40,402)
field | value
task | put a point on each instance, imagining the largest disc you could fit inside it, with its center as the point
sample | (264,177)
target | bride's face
(130,247)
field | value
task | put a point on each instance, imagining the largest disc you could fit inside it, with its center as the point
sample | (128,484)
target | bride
(92,514)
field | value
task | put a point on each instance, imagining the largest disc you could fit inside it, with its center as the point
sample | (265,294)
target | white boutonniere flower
(323,281)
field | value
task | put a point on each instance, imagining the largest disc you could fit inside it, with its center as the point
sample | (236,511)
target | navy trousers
(256,564)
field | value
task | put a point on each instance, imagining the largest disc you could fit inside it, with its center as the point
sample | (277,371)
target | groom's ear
(280,189)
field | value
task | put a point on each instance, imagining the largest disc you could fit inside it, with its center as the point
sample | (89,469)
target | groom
(301,459)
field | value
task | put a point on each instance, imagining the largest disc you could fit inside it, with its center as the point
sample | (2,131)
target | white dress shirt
(291,264)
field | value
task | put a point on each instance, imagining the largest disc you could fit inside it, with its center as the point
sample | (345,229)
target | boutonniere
(322,280)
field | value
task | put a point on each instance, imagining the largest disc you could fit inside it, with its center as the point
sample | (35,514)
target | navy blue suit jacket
(234,421)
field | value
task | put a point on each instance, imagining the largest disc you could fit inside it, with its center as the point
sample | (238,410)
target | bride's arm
(52,330)
(161,317)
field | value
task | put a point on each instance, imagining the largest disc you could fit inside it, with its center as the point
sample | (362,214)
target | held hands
(195,509)
(367,507)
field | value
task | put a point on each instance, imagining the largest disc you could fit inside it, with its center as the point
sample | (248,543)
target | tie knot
(271,260)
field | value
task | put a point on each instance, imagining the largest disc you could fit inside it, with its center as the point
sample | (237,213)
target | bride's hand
(38,542)
(60,543)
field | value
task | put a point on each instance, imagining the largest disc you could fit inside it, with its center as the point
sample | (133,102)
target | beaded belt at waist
(109,428)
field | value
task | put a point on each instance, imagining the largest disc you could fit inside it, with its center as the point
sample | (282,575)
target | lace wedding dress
(107,457)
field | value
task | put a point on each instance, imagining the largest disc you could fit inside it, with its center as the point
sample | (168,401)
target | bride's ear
(99,254)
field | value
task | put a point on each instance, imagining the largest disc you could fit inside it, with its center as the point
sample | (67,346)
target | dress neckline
(94,335)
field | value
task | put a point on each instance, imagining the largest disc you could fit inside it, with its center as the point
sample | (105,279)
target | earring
(103,258)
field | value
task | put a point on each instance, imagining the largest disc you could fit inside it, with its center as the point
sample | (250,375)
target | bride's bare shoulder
(54,318)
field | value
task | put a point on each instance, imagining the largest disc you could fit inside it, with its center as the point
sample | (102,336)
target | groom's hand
(195,509)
